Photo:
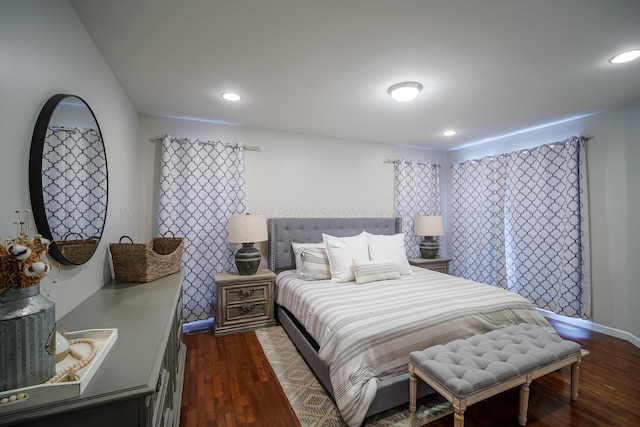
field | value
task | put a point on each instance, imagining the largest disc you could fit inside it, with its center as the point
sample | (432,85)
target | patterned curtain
(475,222)
(417,192)
(520,222)
(75,205)
(202,184)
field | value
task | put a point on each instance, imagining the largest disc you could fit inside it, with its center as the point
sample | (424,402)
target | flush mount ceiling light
(450,132)
(627,56)
(405,91)
(230,96)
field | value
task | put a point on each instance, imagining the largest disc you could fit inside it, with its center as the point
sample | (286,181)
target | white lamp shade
(247,229)
(428,226)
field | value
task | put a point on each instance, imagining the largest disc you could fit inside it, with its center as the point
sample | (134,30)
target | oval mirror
(68,179)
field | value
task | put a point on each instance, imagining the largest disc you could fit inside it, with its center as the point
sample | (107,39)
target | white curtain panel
(520,221)
(202,184)
(417,192)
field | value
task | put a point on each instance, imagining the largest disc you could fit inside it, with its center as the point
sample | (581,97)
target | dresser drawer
(233,294)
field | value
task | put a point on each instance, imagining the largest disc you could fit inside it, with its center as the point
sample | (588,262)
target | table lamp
(428,226)
(247,229)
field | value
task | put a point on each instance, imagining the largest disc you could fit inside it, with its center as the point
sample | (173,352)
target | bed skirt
(390,392)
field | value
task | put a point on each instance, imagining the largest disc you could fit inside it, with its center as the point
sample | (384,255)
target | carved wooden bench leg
(413,389)
(575,378)
(524,401)
(459,406)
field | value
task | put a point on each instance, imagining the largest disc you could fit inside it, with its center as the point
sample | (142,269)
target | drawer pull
(159,385)
(247,307)
(245,293)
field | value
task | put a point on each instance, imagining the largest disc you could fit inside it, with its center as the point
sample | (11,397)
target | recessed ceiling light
(627,56)
(450,132)
(230,96)
(405,91)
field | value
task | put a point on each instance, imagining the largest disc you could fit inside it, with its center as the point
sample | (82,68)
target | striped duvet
(366,332)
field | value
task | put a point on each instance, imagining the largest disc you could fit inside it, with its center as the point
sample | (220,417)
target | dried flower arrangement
(23,260)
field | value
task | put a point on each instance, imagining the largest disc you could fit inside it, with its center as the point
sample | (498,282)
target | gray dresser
(139,383)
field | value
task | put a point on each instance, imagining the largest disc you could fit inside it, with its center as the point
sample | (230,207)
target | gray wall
(45,50)
(632,124)
(294,175)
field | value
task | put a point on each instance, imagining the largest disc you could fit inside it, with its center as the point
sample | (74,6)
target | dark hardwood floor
(228,382)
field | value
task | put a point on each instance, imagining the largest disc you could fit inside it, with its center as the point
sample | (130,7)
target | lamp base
(247,259)
(429,247)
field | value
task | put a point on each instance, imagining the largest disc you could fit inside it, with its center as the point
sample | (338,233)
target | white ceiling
(489,67)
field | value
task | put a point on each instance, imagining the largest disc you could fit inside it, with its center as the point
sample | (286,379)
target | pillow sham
(315,264)
(297,252)
(342,251)
(374,271)
(385,247)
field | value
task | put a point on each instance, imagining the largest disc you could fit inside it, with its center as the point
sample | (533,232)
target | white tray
(46,393)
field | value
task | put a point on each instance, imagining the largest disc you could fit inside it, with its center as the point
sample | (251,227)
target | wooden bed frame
(391,392)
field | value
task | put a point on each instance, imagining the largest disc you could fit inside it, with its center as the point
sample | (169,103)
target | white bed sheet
(366,332)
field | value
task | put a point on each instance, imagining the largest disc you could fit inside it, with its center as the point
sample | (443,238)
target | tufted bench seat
(470,370)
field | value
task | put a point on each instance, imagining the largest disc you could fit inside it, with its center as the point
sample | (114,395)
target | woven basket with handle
(141,263)
(77,249)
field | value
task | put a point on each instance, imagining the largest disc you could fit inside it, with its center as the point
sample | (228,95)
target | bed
(357,337)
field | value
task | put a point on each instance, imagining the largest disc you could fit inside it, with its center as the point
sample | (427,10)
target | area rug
(314,406)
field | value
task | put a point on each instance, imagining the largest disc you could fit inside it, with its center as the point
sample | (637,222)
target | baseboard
(199,326)
(592,326)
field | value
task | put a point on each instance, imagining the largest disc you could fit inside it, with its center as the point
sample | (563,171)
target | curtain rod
(582,138)
(246,147)
(72,130)
(420,163)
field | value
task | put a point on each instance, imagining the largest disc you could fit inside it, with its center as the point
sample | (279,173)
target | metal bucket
(27,338)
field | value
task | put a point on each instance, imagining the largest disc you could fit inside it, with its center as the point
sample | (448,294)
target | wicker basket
(77,250)
(141,263)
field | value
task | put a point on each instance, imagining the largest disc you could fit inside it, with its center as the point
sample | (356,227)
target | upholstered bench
(470,370)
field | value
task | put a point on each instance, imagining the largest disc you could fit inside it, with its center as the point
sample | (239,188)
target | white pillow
(373,271)
(297,251)
(315,264)
(342,251)
(383,247)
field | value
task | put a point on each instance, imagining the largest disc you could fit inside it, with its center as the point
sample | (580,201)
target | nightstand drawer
(441,268)
(243,293)
(440,265)
(247,311)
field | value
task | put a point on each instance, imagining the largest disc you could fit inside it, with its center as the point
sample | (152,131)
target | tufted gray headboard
(284,231)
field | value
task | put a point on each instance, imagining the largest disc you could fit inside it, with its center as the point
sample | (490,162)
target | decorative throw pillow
(383,247)
(297,252)
(342,251)
(373,271)
(315,264)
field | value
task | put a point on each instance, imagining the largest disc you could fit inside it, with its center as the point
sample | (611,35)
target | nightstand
(436,264)
(244,302)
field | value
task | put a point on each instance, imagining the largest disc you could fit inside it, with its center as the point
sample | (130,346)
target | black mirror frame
(35,175)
